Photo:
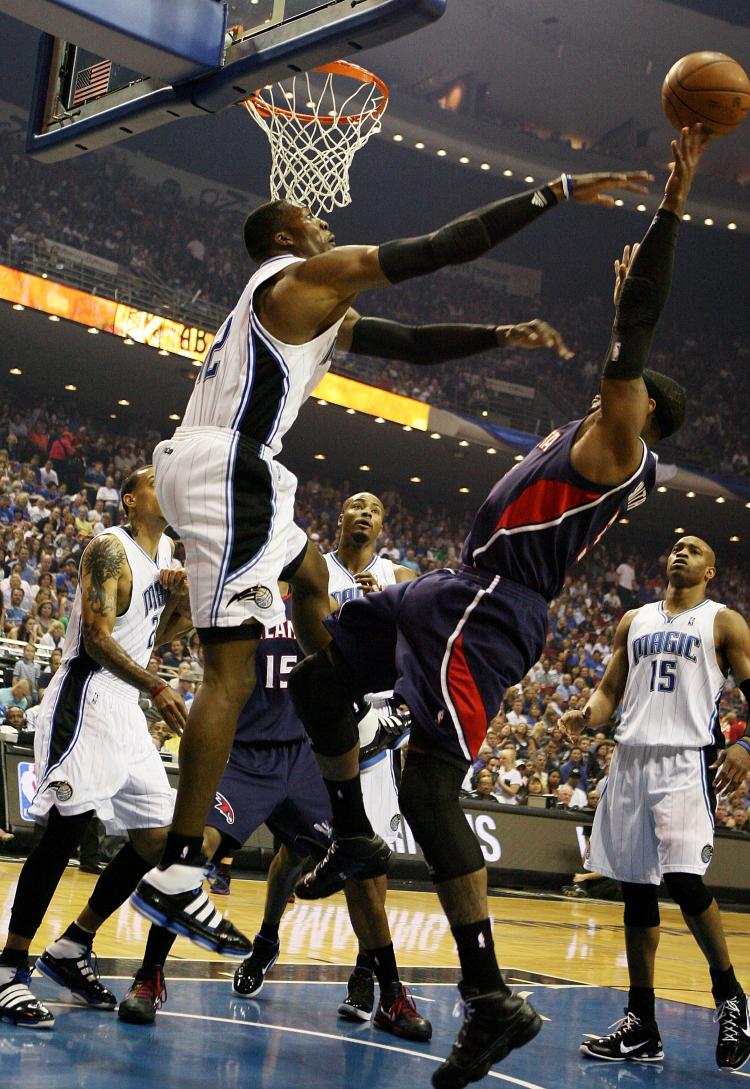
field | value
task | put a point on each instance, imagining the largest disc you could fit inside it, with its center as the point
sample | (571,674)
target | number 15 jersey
(671,697)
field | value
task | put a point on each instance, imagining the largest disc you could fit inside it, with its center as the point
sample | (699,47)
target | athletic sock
(724,984)
(476,951)
(641,1003)
(349,817)
(269,931)
(364,961)
(10,961)
(383,962)
(186,850)
(158,945)
(72,944)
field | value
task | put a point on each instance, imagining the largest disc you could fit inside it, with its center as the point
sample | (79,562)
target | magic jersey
(542,515)
(671,697)
(134,630)
(253,383)
(269,715)
(342,584)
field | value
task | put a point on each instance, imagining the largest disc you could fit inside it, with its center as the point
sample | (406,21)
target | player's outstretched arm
(427,345)
(104,568)
(604,699)
(643,278)
(733,643)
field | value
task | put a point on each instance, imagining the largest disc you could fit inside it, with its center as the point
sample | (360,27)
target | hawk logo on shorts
(63,791)
(223,807)
(706,853)
(395,822)
(261,595)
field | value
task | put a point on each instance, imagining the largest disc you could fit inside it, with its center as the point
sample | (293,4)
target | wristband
(744,743)
(566,181)
(161,688)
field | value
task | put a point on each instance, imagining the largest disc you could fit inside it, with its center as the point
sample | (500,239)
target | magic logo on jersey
(154,597)
(678,643)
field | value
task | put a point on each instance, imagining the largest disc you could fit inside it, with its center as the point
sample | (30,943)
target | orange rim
(336,68)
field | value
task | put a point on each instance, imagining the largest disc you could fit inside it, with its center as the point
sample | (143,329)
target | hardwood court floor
(577,940)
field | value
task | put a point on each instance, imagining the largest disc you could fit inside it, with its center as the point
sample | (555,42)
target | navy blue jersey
(269,715)
(542,514)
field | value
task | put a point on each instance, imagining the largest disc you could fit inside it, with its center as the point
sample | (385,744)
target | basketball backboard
(83,101)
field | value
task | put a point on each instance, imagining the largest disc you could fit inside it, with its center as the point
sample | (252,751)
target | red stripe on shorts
(466,698)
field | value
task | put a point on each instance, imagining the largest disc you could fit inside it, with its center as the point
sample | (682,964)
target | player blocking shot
(451,643)
(231,500)
(655,818)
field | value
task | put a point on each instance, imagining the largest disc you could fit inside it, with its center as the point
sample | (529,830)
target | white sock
(6,974)
(175,878)
(65,949)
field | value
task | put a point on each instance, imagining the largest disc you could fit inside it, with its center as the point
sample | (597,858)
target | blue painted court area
(206,1038)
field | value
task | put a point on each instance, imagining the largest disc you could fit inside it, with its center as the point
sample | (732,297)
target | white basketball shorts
(380,796)
(93,751)
(233,509)
(655,815)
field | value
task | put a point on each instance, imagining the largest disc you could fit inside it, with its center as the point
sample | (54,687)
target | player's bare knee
(689,893)
(148,843)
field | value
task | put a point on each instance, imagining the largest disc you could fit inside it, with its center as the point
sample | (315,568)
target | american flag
(92,81)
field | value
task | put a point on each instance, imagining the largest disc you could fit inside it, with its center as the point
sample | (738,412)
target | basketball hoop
(315,131)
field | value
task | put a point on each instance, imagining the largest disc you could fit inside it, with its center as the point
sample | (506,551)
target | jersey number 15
(663,674)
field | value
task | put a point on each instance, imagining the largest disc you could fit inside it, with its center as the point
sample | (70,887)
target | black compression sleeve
(424,345)
(465,238)
(644,293)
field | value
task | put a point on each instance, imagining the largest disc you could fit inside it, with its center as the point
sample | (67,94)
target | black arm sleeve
(644,294)
(424,345)
(465,238)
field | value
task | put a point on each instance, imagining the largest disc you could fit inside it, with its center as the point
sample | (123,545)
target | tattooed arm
(105,577)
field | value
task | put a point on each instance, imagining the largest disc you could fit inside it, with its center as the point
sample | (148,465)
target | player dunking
(450,643)
(93,752)
(655,818)
(231,501)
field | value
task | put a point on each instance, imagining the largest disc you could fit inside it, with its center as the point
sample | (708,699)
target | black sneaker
(632,1040)
(360,996)
(19,1006)
(401,1017)
(80,976)
(190,914)
(347,857)
(250,976)
(494,1024)
(733,1046)
(147,994)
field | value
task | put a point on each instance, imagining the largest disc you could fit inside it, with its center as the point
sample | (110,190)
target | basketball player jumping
(451,643)
(231,501)
(655,818)
(93,752)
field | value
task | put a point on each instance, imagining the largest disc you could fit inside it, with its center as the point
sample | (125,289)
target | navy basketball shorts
(280,787)
(449,643)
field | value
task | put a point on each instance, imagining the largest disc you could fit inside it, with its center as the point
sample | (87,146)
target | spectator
(54,637)
(175,654)
(484,787)
(574,763)
(27,669)
(509,780)
(18,695)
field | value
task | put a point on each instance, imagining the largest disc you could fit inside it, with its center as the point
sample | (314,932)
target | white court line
(741,1073)
(343,1039)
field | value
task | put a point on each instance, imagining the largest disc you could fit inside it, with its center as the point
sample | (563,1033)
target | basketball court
(567,956)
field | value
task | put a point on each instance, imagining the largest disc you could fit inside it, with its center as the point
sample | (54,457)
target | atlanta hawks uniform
(656,812)
(272,777)
(379,778)
(217,479)
(91,744)
(460,639)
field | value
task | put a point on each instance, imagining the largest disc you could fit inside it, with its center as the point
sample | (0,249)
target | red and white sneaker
(401,1017)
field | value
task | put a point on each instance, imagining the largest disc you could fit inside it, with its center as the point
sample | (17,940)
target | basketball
(707,87)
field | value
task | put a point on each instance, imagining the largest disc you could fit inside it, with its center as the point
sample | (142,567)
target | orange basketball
(707,87)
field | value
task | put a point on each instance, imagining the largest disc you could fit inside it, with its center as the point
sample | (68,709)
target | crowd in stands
(52,505)
(158,230)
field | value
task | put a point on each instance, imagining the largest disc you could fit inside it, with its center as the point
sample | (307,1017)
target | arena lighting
(419,145)
(734,537)
(464,491)
(690,495)
(52,317)
(508,173)
(442,152)
(720,499)
(464,159)
(484,166)
(687,217)
(71,387)
(746,504)
(197,363)
(128,340)
(491,450)
(397,137)
(18,306)
(415,479)
(529,178)
(661,488)
(434,435)
(619,202)
(319,457)
(163,351)
(379,420)
(17,370)
(174,415)
(44,275)
(122,401)
(640,207)
(732,227)
(364,468)
(406,427)
(518,457)
(113,415)
(708,221)
(94,332)
(679,529)
(463,442)
(624,521)
(485,412)
(322,402)
(351,412)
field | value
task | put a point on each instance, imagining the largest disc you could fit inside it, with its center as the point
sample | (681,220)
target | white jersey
(342,584)
(134,630)
(674,680)
(253,383)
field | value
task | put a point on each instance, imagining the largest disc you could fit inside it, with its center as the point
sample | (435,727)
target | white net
(316,123)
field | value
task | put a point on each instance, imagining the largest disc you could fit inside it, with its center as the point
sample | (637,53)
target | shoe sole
(158,917)
(45,970)
(135,1018)
(351,1013)
(27,1024)
(621,1058)
(255,993)
(457,1079)
(743,1063)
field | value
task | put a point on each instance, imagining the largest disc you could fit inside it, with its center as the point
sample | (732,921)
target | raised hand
(622,265)
(687,154)
(594,188)
(533,334)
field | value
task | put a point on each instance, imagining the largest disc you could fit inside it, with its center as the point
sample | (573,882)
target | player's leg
(285,868)
(396,1012)
(171,894)
(635,1038)
(37,882)
(701,913)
